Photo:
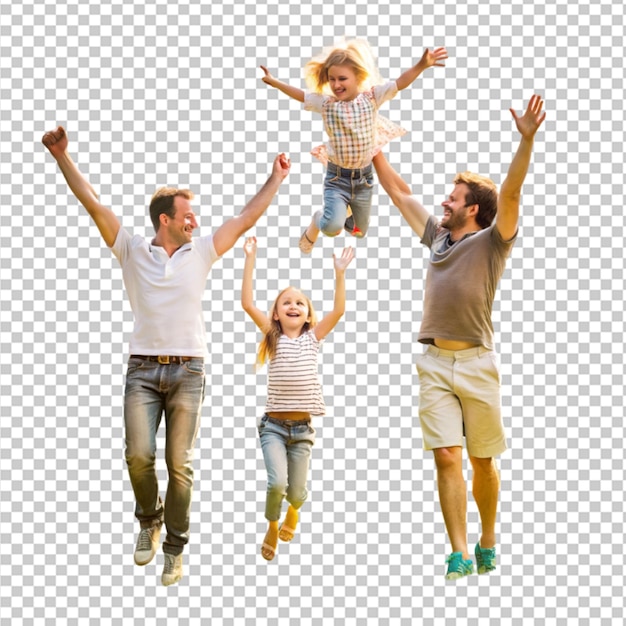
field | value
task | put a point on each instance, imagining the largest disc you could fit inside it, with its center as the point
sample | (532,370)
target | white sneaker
(172,569)
(147,544)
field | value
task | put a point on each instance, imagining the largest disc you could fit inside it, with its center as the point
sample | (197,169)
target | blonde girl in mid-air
(291,343)
(348,91)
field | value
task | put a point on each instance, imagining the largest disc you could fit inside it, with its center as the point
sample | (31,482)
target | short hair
(163,202)
(483,192)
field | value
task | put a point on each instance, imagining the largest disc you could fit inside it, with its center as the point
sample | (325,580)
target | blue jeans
(152,389)
(286,449)
(343,187)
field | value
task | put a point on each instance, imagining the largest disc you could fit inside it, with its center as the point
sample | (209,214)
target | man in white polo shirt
(165,280)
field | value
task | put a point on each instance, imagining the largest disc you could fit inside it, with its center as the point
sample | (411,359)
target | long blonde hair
(355,53)
(267,347)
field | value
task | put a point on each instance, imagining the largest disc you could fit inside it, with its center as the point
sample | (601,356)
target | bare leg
(288,527)
(485,487)
(268,550)
(453,496)
(312,232)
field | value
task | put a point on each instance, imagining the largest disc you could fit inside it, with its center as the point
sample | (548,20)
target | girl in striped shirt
(291,343)
(349,109)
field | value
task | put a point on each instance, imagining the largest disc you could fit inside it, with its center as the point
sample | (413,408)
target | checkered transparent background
(170,92)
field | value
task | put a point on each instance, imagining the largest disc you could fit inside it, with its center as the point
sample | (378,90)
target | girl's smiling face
(343,82)
(292,310)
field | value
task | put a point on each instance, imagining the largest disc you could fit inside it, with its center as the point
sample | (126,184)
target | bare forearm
(512,185)
(253,210)
(79,185)
(339,306)
(409,76)
(292,92)
(391,181)
(400,193)
(247,296)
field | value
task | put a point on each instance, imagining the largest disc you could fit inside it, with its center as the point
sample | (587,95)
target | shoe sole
(142,563)
(171,582)
(456,576)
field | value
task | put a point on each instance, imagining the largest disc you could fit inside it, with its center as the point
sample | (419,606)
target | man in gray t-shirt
(459,376)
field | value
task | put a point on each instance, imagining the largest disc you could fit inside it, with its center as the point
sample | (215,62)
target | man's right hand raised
(55,141)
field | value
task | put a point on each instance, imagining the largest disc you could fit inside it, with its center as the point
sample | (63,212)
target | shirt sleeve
(313,102)
(206,249)
(504,247)
(430,231)
(314,340)
(122,246)
(385,92)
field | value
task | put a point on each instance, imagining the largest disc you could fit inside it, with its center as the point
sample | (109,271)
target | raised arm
(428,60)
(292,92)
(330,320)
(247,297)
(511,189)
(226,235)
(412,211)
(56,141)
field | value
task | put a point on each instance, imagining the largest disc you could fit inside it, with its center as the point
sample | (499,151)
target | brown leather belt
(164,359)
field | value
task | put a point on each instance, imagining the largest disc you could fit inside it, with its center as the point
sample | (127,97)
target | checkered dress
(355,130)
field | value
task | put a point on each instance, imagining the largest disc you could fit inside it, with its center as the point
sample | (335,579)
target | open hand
(343,261)
(434,58)
(532,118)
(55,141)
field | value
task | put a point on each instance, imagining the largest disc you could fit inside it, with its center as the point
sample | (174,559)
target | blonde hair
(267,347)
(355,53)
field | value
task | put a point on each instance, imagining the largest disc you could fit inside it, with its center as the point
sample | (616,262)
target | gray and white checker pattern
(170,92)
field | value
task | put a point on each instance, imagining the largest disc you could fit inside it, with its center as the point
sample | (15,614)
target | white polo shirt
(165,294)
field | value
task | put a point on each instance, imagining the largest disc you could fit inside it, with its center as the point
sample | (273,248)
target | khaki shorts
(460,396)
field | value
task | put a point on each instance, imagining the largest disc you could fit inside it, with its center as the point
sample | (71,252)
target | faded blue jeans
(343,188)
(176,390)
(286,449)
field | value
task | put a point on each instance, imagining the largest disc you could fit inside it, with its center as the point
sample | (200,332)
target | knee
(276,487)
(139,459)
(297,496)
(332,225)
(330,229)
(447,459)
(483,465)
(180,467)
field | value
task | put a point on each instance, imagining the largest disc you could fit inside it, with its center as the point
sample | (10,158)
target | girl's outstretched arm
(292,92)
(247,298)
(428,60)
(330,320)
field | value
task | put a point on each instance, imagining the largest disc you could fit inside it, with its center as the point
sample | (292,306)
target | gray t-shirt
(461,284)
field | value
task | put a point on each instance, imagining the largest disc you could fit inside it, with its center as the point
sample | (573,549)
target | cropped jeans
(286,449)
(175,390)
(343,188)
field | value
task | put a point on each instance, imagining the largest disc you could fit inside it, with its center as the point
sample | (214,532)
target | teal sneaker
(485,559)
(458,567)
